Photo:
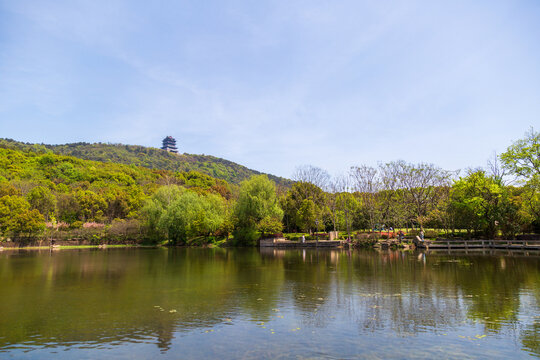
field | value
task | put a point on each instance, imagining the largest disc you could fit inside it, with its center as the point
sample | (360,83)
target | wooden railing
(483,244)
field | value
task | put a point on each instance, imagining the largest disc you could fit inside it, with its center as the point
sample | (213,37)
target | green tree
(180,215)
(43,200)
(92,206)
(67,208)
(257,200)
(154,208)
(307,215)
(522,158)
(348,205)
(17,218)
(270,225)
(481,203)
(303,205)
(192,215)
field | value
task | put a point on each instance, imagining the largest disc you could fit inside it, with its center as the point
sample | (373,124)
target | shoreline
(73,247)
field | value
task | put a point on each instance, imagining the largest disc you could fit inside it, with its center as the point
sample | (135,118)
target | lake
(280,304)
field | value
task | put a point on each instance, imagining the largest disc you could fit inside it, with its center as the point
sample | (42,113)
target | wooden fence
(480,244)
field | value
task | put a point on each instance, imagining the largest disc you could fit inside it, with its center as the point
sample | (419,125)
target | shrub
(76,225)
(245,237)
(124,230)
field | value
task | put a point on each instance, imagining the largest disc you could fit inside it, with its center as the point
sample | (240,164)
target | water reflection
(173,298)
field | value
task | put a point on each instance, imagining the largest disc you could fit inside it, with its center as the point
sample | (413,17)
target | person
(303,239)
(422,234)
(401,235)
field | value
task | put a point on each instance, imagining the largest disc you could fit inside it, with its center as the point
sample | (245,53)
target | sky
(273,85)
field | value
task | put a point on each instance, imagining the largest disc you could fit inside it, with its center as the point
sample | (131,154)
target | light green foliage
(17,218)
(147,157)
(92,206)
(43,200)
(522,158)
(183,206)
(530,197)
(347,204)
(179,215)
(257,200)
(269,225)
(481,203)
(193,215)
(307,215)
(156,206)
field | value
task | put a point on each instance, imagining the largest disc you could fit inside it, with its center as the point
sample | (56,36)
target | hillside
(38,187)
(148,157)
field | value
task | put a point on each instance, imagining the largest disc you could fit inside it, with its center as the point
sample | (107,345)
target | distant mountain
(148,157)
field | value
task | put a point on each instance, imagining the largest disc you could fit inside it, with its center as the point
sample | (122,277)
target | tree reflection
(118,296)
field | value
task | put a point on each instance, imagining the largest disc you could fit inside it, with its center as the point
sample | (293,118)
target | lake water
(255,304)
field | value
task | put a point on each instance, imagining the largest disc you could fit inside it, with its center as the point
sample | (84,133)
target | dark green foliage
(303,206)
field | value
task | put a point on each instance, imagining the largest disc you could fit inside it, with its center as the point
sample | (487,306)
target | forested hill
(148,157)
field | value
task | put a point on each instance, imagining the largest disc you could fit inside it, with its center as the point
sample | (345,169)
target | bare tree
(312,174)
(393,209)
(419,183)
(367,182)
(495,169)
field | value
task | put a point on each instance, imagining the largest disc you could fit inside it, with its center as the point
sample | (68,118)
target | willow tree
(257,206)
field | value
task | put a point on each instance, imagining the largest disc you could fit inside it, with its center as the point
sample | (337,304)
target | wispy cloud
(275,84)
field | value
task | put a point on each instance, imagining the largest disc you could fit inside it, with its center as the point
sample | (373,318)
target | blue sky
(275,84)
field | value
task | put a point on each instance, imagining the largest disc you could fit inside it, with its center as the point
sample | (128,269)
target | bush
(245,237)
(76,225)
(364,243)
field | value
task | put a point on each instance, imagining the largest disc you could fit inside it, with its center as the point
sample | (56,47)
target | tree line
(46,195)
(502,199)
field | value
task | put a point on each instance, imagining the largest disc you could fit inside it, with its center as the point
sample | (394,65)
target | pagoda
(169,144)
